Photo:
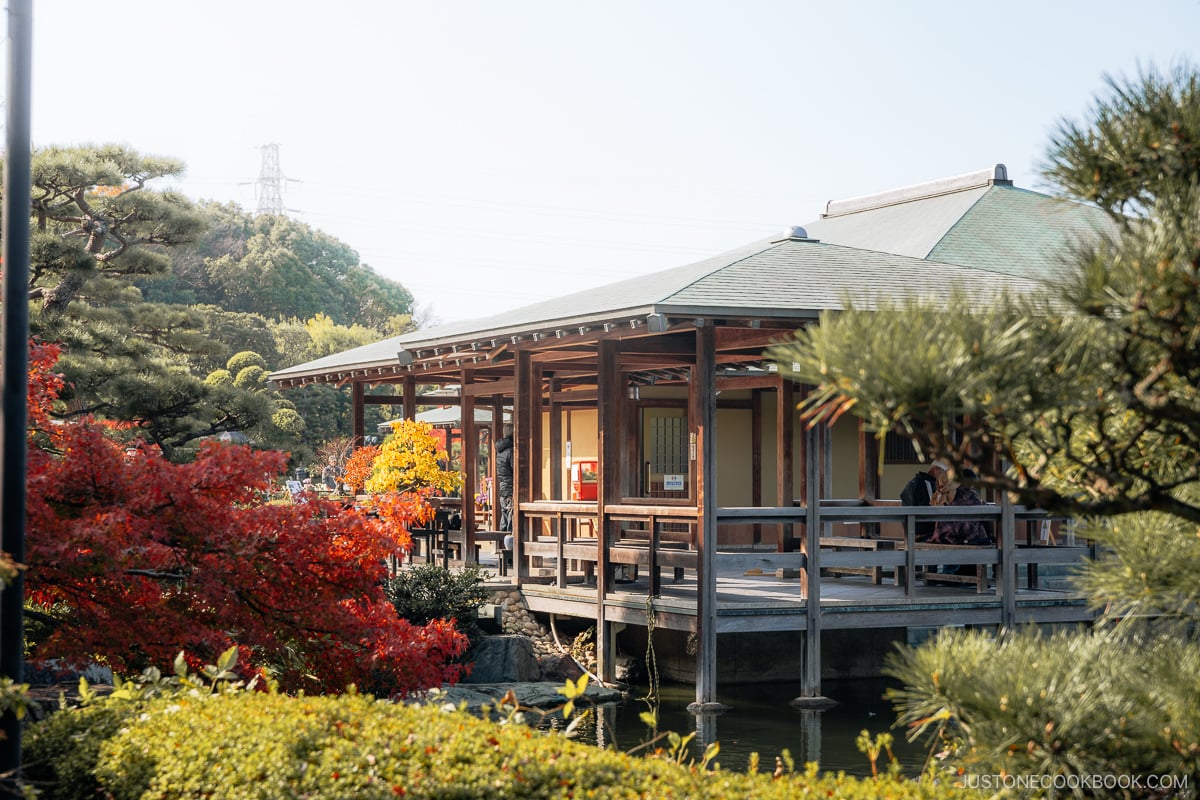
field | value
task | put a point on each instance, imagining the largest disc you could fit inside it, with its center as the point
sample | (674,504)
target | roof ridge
(997,174)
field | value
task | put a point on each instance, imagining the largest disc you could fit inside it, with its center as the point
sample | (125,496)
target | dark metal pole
(14,342)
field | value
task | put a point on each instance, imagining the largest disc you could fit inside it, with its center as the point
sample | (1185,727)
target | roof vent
(794,234)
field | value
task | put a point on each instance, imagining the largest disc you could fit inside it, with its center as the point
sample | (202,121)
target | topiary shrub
(246,358)
(266,745)
(429,591)
(250,378)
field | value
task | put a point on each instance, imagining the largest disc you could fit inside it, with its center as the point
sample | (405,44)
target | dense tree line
(151,296)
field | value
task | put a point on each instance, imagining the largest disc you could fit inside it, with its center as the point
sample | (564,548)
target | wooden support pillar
(703,401)
(410,397)
(357,414)
(1006,570)
(785,492)
(556,444)
(496,432)
(609,396)
(531,439)
(756,448)
(825,435)
(869,478)
(810,683)
(522,461)
(470,456)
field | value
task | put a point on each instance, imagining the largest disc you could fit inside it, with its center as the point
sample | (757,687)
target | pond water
(761,720)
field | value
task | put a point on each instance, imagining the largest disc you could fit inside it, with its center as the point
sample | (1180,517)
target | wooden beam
(658,344)
(570,396)
(381,399)
(505,386)
(729,338)
(564,354)
(748,382)
(654,360)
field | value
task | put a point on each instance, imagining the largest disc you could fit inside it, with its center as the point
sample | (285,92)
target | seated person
(927,489)
(972,531)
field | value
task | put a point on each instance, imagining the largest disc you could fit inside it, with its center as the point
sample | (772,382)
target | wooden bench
(837,543)
(448,543)
(980,578)
(667,540)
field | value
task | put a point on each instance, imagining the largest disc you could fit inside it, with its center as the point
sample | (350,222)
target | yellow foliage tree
(412,459)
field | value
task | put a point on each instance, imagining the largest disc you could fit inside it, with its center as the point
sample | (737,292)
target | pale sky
(491,154)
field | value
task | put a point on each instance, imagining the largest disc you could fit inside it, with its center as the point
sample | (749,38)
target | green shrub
(246,358)
(263,745)
(59,754)
(250,378)
(429,591)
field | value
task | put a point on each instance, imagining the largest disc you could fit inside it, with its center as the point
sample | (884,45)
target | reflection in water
(760,720)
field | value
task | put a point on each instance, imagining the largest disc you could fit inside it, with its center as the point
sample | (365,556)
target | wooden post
(410,397)
(826,447)
(869,479)
(556,444)
(609,395)
(470,455)
(910,556)
(756,457)
(704,402)
(522,417)
(810,684)
(1006,572)
(357,416)
(785,493)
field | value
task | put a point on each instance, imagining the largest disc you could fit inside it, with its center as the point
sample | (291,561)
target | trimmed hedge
(270,746)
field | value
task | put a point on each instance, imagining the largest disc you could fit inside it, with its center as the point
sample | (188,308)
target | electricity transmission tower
(269,186)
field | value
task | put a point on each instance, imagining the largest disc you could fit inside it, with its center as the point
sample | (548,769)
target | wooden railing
(657,537)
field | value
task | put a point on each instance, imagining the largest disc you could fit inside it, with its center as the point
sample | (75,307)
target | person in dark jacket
(974,532)
(504,482)
(926,489)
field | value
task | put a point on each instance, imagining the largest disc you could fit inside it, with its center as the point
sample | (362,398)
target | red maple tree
(137,558)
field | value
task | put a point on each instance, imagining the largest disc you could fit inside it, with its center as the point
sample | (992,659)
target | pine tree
(1084,400)
(99,229)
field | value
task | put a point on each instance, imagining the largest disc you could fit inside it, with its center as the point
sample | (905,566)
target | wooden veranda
(779,519)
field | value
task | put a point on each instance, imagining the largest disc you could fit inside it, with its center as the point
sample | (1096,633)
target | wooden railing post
(1006,571)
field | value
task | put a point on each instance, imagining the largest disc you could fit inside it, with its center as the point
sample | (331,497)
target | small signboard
(673,483)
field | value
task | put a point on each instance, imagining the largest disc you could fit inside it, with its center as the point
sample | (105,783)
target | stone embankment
(525,660)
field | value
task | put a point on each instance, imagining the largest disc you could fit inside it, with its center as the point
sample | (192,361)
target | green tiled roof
(1019,232)
(999,228)
(975,231)
(785,279)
